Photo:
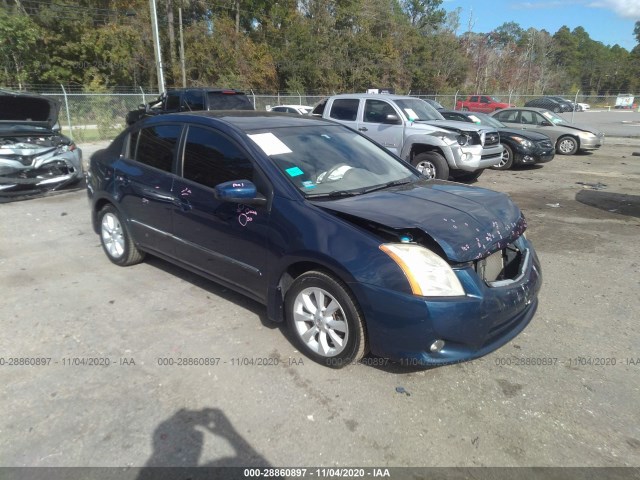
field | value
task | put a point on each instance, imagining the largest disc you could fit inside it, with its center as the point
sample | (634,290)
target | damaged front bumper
(22,173)
(491,313)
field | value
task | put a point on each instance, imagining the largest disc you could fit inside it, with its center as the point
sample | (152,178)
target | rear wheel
(431,165)
(325,320)
(116,240)
(506,162)
(465,109)
(566,145)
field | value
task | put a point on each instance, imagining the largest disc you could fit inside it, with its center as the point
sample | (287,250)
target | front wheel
(325,320)
(567,146)
(506,162)
(116,239)
(431,165)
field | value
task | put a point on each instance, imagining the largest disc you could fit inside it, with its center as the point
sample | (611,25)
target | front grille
(497,156)
(505,264)
(491,138)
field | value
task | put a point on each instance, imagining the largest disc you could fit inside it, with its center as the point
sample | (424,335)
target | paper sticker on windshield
(270,144)
(294,171)
(474,119)
(411,114)
(308,184)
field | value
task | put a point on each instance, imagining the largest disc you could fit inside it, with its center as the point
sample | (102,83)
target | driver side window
(210,158)
(528,118)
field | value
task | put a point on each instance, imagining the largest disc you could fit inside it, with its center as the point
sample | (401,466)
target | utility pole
(184,73)
(156,44)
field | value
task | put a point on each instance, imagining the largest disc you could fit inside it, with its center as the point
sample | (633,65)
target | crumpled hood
(22,109)
(467,222)
(456,126)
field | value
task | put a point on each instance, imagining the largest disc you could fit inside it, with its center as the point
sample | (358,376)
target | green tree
(18,39)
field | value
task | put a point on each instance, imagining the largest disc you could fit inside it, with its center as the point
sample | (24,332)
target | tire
(566,145)
(556,109)
(431,165)
(507,159)
(116,240)
(335,340)
(465,109)
(469,177)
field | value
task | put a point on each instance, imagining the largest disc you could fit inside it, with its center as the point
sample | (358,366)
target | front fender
(451,152)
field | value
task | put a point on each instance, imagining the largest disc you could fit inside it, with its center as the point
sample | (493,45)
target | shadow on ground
(619,203)
(182,443)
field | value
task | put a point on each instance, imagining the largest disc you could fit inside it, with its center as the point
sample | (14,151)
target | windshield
(330,160)
(486,120)
(416,109)
(553,118)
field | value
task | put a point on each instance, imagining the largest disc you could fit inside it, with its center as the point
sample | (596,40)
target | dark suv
(192,100)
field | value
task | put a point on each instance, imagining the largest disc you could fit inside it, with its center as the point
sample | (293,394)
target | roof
(375,95)
(243,119)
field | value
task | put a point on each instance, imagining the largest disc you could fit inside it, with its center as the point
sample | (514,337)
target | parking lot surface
(151,365)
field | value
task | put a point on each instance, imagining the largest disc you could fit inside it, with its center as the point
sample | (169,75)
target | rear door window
(345,109)
(157,146)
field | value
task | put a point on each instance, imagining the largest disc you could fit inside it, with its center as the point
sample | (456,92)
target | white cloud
(624,8)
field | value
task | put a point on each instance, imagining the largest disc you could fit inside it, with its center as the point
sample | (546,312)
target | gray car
(567,137)
(34,155)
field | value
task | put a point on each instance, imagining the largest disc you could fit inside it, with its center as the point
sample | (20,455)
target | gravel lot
(564,393)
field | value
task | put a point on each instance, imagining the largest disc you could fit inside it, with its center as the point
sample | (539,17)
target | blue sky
(606,21)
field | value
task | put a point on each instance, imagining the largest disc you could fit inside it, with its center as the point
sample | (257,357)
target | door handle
(363,129)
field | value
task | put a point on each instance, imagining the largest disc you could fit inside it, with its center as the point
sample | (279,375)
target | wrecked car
(344,241)
(34,155)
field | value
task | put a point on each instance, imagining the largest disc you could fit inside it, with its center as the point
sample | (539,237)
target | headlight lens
(463,139)
(524,142)
(586,135)
(428,274)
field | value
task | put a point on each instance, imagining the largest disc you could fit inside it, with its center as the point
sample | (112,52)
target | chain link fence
(88,117)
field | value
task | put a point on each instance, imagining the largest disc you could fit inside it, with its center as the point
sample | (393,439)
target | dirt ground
(563,393)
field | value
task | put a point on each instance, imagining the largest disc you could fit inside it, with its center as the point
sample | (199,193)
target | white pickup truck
(416,132)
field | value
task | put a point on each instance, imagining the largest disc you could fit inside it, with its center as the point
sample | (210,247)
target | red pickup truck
(481,103)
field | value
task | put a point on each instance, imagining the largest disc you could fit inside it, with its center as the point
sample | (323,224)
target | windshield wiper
(395,183)
(336,194)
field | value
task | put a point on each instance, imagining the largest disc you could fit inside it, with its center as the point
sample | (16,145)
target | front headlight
(428,274)
(586,135)
(463,140)
(524,142)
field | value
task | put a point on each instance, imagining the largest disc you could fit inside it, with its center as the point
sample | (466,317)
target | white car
(584,106)
(298,109)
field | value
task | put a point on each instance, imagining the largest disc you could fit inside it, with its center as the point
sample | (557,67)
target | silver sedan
(568,137)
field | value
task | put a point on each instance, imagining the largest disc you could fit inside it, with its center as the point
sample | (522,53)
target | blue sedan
(339,238)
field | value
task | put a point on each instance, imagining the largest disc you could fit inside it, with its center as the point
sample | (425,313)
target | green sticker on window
(294,171)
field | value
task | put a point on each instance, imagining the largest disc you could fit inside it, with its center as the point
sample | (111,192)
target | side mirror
(392,119)
(239,191)
(544,123)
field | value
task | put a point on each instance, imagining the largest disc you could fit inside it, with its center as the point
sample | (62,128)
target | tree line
(300,46)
